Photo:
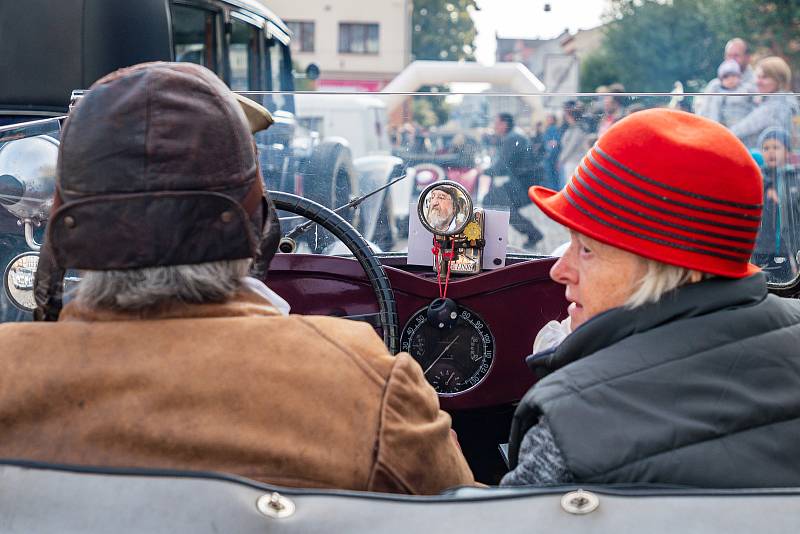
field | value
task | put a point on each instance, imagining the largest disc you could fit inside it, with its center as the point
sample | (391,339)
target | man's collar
(253,299)
(260,288)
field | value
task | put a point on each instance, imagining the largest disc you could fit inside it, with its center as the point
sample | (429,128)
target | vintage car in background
(242,41)
(500,309)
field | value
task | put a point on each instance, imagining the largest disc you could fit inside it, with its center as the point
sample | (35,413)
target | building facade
(358,45)
(554,61)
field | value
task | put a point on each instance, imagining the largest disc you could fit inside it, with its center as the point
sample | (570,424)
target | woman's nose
(563,271)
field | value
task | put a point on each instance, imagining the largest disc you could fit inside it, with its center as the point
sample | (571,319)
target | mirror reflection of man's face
(440,210)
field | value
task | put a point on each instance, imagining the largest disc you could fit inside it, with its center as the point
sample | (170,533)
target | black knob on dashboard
(287,245)
(443,313)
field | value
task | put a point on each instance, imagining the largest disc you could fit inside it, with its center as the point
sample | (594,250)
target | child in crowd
(729,109)
(777,243)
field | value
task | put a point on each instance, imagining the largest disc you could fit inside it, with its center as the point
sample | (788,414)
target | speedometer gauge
(455,358)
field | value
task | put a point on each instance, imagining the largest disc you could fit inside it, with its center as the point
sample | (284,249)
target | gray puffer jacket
(699,389)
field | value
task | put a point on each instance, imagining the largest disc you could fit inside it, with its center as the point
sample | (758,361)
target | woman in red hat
(680,368)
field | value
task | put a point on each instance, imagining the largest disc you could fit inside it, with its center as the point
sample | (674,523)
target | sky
(528,19)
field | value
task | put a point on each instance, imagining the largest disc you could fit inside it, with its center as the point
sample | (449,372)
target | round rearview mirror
(444,208)
(312,71)
(18,280)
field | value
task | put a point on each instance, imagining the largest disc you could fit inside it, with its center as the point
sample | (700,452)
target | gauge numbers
(454,359)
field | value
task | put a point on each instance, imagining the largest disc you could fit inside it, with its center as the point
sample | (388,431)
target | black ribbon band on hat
(628,183)
(678,215)
(568,192)
(650,217)
(133,231)
(676,189)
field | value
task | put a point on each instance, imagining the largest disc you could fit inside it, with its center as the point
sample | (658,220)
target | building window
(303,35)
(358,38)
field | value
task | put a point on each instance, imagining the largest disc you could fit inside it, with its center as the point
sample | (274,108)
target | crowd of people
(549,154)
(753,106)
(764,122)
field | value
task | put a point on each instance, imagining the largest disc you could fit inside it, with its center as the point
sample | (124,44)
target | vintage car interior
(464,296)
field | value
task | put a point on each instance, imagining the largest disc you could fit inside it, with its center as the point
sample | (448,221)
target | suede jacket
(234,387)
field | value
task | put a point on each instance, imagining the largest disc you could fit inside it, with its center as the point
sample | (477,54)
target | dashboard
(474,360)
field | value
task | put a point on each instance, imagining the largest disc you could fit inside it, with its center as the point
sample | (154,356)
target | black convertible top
(52,47)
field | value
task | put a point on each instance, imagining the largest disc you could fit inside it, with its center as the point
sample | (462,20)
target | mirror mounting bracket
(30,239)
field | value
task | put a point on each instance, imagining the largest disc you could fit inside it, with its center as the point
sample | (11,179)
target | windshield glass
(337,147)
(497,146)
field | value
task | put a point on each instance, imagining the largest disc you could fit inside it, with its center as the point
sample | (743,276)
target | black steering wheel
(361,250)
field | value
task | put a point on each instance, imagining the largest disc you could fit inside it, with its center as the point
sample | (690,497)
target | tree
(422,113)
(431,110)
(651,44)
(596,70)
(770,27)
(443,30)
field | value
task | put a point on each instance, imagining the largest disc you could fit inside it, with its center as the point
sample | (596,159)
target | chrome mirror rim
(468,208)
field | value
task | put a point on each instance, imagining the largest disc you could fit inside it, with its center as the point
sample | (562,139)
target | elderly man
(680,368)
(737,50)
(441,209)
(168,355)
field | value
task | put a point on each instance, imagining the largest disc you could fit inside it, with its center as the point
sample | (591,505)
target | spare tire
(328,177)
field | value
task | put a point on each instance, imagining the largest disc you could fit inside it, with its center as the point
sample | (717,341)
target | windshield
(497,145)
(340,146)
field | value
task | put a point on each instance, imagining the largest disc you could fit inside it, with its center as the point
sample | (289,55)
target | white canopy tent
(515,76)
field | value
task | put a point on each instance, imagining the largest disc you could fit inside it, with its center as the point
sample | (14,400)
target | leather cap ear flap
(270,238)
(48,286)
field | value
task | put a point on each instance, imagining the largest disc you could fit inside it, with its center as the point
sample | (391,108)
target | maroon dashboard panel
(515,301)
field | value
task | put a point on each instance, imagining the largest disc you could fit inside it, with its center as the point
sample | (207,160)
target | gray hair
(660,278)
(151,287)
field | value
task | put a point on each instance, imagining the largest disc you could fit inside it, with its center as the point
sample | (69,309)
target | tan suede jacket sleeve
(416,453)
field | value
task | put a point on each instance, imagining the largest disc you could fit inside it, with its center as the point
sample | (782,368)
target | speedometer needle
(442,354)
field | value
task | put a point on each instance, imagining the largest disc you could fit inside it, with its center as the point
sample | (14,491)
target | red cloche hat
(669,186)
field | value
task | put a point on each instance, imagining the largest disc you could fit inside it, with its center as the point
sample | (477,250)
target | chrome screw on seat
(580,502)
(275,505)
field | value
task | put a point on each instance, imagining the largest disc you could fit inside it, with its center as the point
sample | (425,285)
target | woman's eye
(585,250)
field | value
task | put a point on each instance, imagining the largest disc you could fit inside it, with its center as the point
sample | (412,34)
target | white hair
(660,278)
(141,289)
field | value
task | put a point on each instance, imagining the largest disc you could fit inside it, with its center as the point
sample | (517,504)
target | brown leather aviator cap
(157,166)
